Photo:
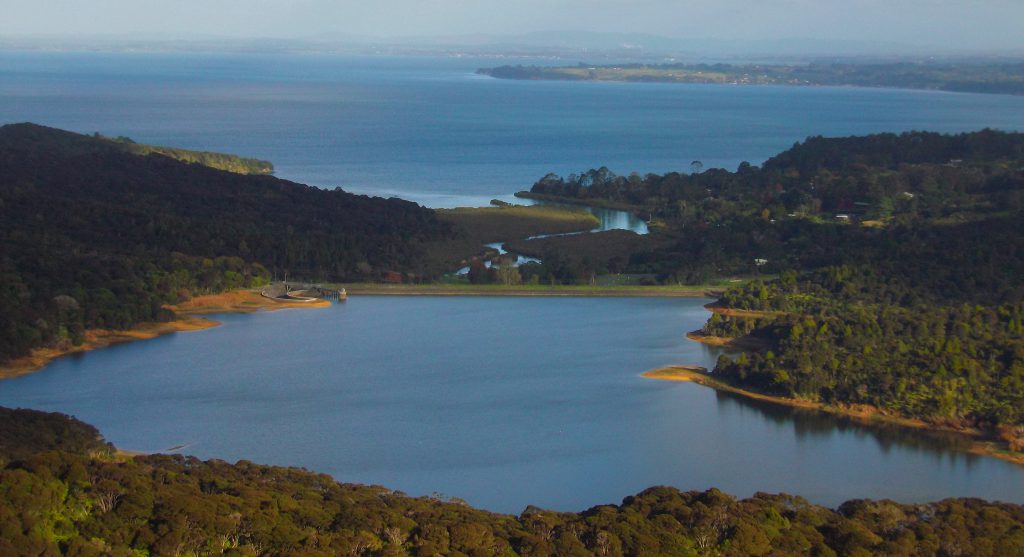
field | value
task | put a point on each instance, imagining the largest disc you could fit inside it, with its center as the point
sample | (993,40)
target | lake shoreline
(982,443)
(188,319)
(529,290)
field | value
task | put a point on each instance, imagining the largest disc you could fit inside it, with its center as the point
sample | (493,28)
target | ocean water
(504,402)
(430,130)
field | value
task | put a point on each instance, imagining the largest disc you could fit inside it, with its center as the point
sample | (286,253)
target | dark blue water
(430,130)
(504,402)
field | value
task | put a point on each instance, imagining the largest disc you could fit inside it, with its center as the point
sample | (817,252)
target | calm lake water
(504,402)
(430,130)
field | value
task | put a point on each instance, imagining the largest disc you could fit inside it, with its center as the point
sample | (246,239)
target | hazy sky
(962,24)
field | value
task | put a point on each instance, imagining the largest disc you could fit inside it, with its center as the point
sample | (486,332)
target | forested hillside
(845,335)
(95,236)
(73,497)
(898,259)
(829,201)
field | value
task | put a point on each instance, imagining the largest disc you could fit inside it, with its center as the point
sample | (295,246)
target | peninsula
(1002,77)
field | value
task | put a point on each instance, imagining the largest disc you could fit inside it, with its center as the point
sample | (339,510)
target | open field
(497,224)
(610,249)
(476,226)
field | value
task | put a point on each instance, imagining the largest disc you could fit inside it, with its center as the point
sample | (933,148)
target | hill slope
(220,161)
(96,236)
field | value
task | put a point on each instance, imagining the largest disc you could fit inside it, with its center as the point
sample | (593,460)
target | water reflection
(810,425)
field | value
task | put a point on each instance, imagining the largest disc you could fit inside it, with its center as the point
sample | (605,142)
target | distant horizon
(558,43)
(849,26)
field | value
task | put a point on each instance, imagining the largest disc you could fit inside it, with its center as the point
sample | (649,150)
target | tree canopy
(65,498)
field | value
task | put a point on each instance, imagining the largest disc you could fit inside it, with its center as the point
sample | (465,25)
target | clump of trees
(69,497)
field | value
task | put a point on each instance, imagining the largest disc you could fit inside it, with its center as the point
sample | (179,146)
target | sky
(968,25)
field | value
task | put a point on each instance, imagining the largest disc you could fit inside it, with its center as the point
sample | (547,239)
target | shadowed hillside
(98,237)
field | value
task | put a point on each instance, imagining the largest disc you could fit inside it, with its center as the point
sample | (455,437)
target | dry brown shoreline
(239,301)
(982,443)
(742,313)
(742,343)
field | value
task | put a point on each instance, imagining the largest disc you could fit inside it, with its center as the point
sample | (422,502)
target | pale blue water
(431,131)
(504,402)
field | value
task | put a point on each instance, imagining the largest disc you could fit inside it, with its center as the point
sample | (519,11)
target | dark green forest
(826,201)
(850,336)
(97,236)
(63,491)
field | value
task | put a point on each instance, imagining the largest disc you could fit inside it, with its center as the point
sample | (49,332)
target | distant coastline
(1004,78)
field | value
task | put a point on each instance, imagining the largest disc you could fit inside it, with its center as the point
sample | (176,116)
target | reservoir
(503,402)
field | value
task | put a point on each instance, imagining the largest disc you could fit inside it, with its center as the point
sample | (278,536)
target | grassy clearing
(220,161)
(476,226)
(497,224)
(610,249)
